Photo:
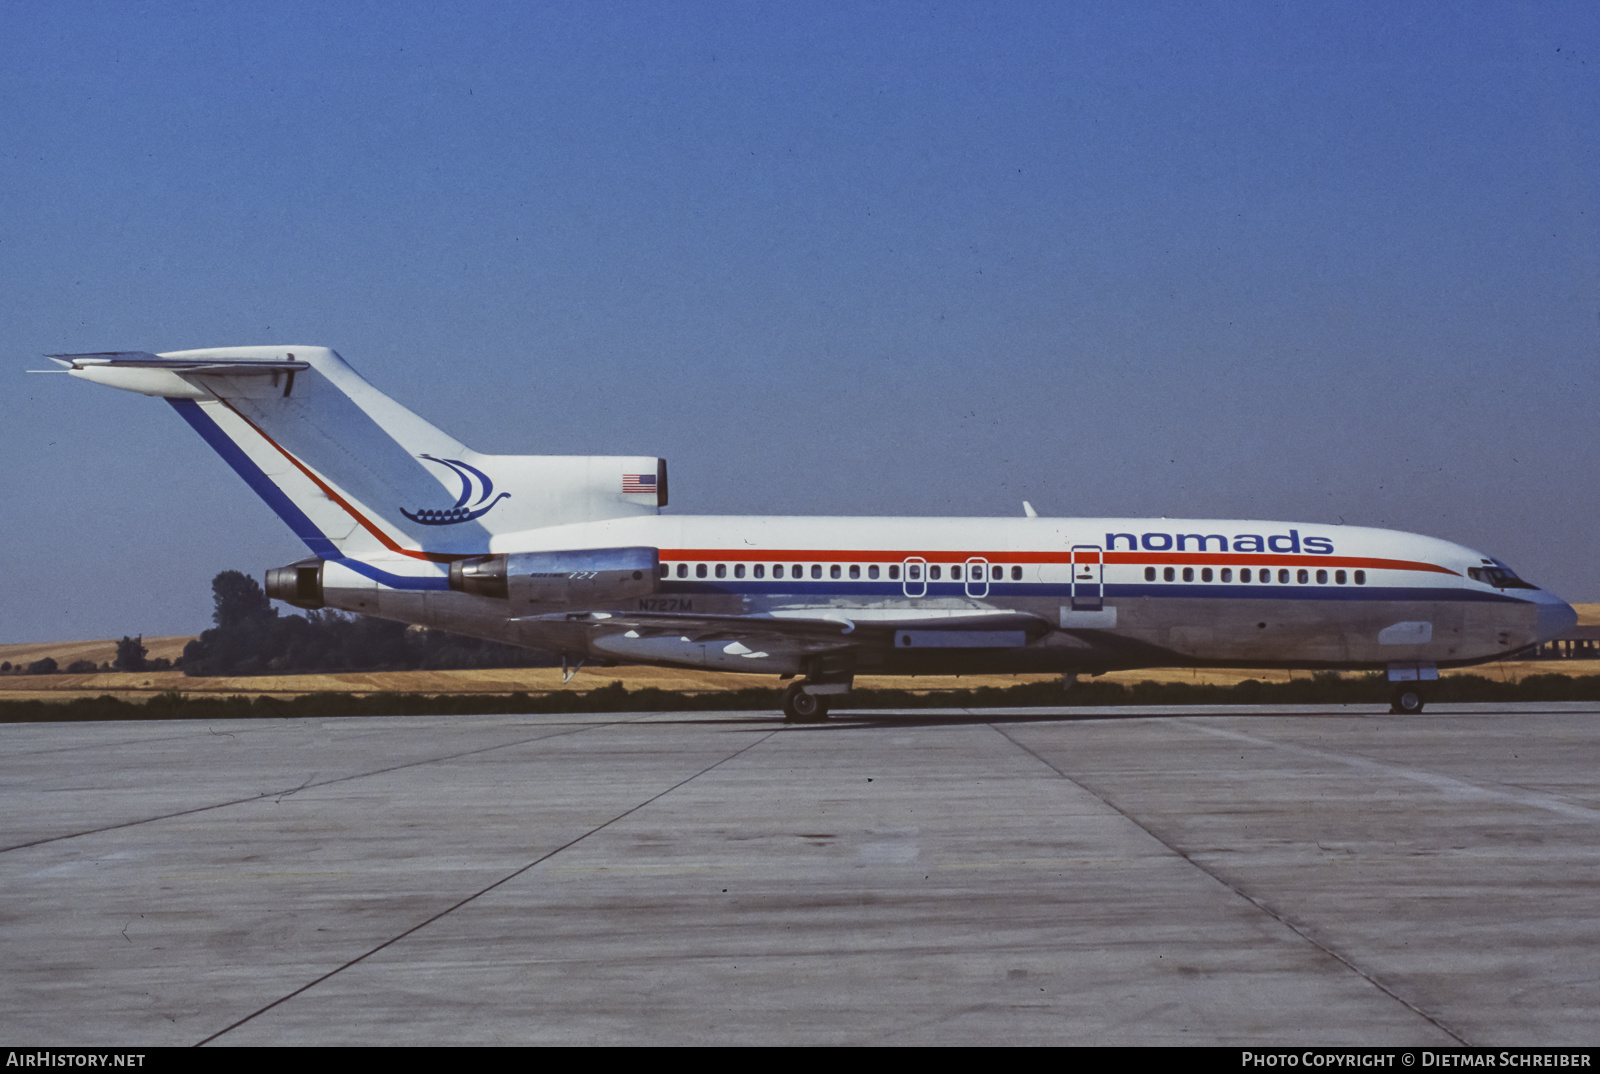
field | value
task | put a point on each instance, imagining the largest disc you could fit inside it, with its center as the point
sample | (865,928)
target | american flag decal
(638,482)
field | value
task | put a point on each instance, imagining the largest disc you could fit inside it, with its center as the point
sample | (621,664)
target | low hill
(101,652)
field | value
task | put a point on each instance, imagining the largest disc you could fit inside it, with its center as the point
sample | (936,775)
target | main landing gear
(806,700)
(1406,699)
(801,707)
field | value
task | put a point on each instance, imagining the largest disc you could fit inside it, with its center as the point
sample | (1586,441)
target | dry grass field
(101,652)
(133,686)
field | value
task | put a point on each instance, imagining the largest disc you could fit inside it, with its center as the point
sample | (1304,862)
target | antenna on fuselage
(1027,510)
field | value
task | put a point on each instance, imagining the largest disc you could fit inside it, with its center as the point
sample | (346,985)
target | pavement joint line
(479,894)
(100,746)
(1447,785)
(888,1035)
(1258,903)
(312,786)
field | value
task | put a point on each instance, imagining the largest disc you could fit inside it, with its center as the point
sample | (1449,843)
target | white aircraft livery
(571,554)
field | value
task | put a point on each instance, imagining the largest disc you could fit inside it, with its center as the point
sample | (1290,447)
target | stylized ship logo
(462,511)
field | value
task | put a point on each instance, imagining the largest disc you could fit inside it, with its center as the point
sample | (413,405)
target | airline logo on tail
(462,511)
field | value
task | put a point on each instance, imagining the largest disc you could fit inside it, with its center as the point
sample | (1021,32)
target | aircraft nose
(1555,619)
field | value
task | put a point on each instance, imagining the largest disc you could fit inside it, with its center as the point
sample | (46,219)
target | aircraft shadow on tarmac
(899,719)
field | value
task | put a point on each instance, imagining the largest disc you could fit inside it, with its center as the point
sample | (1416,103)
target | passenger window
(1149,574)
(1283,576)
(915,572)
(933,572)
(722,570)
(1227,574)
(955,573)
(996,573)
(894,573)
(816,570)
(1016,574)
(1167,574)
(777,570)
(683,570)
(1205,574)
(1322,577)
(665,570)
(1244,574)
(699,570)
(1361,577)
(738,570)
(1188,574)
(1302,577)
(872,571)
(833,571)
(759,570)
(1339,577)
(855,570)
(798,570)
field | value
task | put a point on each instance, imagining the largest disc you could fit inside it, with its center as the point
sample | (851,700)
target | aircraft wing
(815,628)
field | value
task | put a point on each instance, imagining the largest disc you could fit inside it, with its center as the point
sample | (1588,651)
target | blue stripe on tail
(285,508)
(256,478)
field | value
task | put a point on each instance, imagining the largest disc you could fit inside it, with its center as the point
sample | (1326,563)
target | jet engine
(299,583)
(582,576)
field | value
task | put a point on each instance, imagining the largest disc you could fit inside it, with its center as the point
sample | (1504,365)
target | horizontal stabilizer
(146,360)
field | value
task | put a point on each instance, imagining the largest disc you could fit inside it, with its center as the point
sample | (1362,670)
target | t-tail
(357,476)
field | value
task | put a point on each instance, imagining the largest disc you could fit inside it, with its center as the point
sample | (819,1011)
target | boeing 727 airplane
(571,554)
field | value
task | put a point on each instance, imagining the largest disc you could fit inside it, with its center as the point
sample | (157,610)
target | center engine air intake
(582,576)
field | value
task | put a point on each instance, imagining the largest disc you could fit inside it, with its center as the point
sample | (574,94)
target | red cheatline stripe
(366,524)
(1210,559)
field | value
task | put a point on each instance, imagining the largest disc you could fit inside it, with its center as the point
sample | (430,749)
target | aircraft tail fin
(353,472)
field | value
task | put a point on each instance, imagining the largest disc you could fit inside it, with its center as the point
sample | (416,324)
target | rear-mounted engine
(299,584)
(584,576)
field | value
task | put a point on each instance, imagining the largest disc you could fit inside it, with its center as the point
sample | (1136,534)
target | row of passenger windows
(1303,576)
(975,571)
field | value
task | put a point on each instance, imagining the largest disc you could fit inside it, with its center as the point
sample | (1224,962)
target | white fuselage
(1113,592)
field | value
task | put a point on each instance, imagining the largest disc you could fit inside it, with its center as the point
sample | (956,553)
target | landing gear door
(1088,578)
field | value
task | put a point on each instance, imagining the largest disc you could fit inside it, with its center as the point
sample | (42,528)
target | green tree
(244,639)
(238,599)
(130,654)
(251,638)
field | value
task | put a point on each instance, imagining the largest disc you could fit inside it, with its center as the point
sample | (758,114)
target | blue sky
(1302,262)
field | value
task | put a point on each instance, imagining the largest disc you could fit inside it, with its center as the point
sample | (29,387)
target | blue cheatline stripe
(396,581)
(286,508)
(998,591)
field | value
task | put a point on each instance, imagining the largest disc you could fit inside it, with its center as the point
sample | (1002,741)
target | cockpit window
(1498,575)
